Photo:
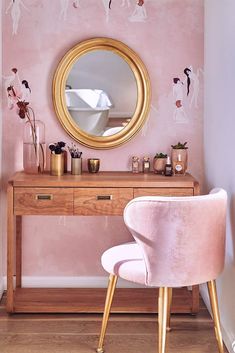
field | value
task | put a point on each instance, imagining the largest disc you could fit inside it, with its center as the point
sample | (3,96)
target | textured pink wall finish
(168,40)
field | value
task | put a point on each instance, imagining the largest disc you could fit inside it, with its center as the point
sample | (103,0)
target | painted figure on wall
(64,4)
(76,4)
(178,94)
(16,89)
(186,72)
(107,8)
(8,80)
(193,81)
(25,91)
(139,14)
(15,6)
(8,85)
(12,97)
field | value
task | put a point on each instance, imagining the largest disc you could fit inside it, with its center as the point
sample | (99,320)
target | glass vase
(34,147)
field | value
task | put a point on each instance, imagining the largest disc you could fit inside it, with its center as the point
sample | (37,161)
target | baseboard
(71,282)
(228,337)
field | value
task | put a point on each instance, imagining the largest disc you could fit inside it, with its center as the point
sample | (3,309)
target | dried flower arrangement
(57,147)
(17,99)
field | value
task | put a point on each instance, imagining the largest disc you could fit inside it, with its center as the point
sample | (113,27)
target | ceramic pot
(159,165)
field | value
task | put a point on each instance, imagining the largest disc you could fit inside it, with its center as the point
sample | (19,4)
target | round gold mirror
(101,93)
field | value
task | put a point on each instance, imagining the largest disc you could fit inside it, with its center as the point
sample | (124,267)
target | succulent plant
(57,147)
(180,146)
(161,155)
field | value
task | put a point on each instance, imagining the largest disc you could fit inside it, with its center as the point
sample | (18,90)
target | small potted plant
(159,163)
(180,149)
(57,158)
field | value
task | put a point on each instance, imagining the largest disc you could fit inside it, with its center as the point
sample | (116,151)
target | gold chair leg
(108,303)
(215,312)
(169,302)
(162,318)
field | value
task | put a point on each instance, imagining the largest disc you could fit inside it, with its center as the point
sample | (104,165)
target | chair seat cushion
(125,261)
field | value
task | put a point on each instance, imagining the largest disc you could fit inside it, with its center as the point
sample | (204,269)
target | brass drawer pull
(104,197)
(44,197)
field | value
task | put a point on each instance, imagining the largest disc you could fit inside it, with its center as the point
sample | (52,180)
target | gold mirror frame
(143,93)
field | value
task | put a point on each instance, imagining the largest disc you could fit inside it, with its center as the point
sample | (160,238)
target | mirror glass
(101,93)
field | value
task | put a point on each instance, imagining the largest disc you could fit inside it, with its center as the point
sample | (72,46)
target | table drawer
(43,201)
(101,201)
(163,192)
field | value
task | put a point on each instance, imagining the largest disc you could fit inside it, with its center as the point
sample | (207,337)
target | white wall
(219,138)
(1,271)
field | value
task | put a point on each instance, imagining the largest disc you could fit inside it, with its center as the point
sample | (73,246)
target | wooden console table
(105,193)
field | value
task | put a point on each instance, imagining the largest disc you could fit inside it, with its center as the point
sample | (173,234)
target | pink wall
(169,40)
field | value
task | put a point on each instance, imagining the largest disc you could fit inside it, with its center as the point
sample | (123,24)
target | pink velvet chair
(179,241)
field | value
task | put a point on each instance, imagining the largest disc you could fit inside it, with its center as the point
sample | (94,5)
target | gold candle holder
(93,165)
(57,164)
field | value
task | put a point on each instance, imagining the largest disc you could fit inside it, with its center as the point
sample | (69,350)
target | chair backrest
(182,239)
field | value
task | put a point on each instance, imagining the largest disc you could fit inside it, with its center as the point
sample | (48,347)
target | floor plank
(127,333)
(78,300)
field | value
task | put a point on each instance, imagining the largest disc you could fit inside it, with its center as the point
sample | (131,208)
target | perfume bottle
(168,167)
(146,164)
(135,164)
(179,166)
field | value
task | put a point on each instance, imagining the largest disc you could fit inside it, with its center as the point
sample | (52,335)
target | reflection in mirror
(101,93)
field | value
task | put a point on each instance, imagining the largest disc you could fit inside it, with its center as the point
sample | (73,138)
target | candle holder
(93,165)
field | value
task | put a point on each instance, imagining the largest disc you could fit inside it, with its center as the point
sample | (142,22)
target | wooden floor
(127,333)
(83,300)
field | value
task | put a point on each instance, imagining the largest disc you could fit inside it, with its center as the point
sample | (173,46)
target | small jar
(179,166)
(146,164)
(183,157)
(135,164)
(168,167)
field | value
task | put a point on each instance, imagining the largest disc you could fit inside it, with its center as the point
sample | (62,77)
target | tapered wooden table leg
(10,250)
(18,251)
